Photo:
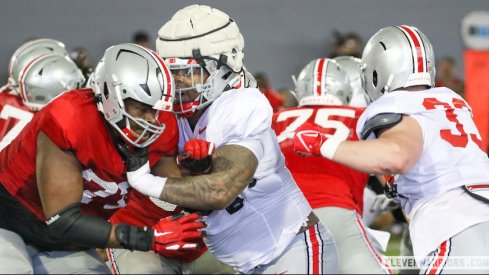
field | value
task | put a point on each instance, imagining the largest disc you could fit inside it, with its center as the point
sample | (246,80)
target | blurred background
(281,36)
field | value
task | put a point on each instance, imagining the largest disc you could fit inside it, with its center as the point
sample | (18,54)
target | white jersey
(451,157)
(273,209)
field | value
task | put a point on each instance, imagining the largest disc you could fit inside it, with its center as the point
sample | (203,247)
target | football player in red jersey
(39,70)
(334,191)
(63,176)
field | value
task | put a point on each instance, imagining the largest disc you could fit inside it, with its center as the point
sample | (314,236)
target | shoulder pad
(380,121)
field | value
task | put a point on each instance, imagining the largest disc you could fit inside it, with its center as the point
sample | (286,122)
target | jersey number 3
(462,139)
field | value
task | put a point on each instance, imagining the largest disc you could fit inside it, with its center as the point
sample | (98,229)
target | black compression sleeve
(70,225)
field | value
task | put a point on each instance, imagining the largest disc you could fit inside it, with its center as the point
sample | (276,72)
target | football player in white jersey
(258,221)
(424,136)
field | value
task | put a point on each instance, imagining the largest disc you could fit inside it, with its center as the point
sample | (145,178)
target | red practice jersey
(73,123)
(13,116)
(323,182)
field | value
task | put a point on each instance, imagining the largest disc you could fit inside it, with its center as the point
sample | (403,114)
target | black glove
(135,158)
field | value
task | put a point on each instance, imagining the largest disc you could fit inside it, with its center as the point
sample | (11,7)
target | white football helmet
(352,67)
(199,36)
(131,71)
(323,82)
(28,52)
(46,77)
(397,57)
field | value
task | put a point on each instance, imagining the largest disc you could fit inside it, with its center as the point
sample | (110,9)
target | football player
(426,137)
(63,176)
(258,220)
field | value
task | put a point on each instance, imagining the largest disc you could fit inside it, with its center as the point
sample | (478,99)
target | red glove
(310,140)
(197,156)
(177,233)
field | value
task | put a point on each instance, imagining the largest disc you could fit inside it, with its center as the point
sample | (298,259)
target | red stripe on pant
(113,264)
(439,259)
(314,244)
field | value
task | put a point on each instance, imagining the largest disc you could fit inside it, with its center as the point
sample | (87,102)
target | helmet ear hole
(374,78)
(106,91)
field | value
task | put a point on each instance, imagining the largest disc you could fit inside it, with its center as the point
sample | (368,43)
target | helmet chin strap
(188,109)
(131,136)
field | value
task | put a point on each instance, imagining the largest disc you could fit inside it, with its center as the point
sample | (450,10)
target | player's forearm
(373,156)
(205,192)
(233,169)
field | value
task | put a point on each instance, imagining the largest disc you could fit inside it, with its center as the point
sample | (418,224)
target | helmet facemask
(205,36)
(123,120)
(214,79)
(128,72)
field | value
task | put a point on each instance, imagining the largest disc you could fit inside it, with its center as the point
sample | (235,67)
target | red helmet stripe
(418,50)
(320,70)
(19,50)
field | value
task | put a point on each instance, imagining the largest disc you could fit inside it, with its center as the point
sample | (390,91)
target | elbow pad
(379,122)
(71,226)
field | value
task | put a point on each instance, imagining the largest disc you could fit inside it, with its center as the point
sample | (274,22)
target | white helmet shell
(352,67)
(323,82)
(210,31)
(397,57)
(28,52)
(46,77)
(131,71)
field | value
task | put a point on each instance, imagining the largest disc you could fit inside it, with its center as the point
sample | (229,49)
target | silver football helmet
(28,52)
(196,37)
(397,57)
(352,67)
(323,82)
(131,71)
(46,77)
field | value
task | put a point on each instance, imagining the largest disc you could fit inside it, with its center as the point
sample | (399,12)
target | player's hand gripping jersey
(324,182)
(431,191)
(272,208)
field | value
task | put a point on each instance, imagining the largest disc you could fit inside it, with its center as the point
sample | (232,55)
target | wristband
(147,184)
(328,149)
